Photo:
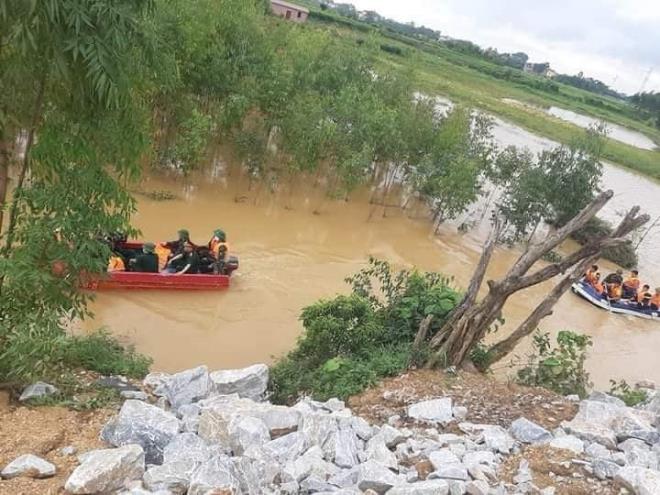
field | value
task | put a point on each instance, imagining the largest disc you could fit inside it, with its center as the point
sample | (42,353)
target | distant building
(289,11)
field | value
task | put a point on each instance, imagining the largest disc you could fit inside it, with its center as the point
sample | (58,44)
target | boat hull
(587,292)
(158,281)
(161,281)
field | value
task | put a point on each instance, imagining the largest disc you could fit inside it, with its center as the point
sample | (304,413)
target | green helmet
(183,234)
(220,234)
(148,247)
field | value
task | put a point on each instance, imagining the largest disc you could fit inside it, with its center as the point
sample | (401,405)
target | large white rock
(428,487)
(377,450)
(433,411)
(639,480)
(637,453)
(187,386)
(597,396)
(477,487)
(311,463)
(286,448)
(28,465)
(186,447)
(635,424)
(568,442)
(318,427)
(443,457)
(142,424)
(376,477)
(392,436)
(171,477)
(105,470)
(346,449)
(456,472)
(527,431)
(591,432)
(37,390)
(250,382)
(216,475)
(245,432)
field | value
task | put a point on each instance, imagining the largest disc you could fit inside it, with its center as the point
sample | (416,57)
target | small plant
(159,195)
(101,352)
(560,369)
(631,396)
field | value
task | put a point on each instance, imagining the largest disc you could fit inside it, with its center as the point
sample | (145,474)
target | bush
(623,255)
(102,353)
(631,396)
(560,369)
(394,50)
(351,342)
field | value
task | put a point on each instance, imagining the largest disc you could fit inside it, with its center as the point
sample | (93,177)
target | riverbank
(444,435)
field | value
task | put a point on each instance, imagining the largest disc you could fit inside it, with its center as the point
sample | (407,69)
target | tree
(470,320)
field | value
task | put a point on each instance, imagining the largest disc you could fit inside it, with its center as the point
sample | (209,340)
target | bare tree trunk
(468,323)
(531,323)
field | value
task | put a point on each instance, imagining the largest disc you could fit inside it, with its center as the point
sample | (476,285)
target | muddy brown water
(296,247)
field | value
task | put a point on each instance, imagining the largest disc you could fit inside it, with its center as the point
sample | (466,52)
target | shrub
(101,352)
(395,50)
(623,255)
(560,369)
(351,342)
(631,396)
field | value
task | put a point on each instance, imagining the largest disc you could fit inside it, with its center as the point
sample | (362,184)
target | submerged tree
(470,320)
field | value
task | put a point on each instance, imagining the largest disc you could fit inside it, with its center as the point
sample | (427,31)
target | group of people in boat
(628,291)
(177,257)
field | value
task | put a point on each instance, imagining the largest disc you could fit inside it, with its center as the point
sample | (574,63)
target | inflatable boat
(587,292)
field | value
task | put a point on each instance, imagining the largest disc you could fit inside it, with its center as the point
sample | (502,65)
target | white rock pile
(213,433)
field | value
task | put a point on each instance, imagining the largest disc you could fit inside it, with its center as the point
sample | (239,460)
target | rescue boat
(162,280)
(587,292)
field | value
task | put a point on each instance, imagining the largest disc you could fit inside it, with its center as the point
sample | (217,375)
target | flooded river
(296,246)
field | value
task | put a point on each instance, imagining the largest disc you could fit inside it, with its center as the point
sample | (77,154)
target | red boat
(140,280)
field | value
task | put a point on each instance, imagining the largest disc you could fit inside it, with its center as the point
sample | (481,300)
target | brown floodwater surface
(296,247)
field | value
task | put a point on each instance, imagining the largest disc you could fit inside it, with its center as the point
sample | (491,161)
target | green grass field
(476,82)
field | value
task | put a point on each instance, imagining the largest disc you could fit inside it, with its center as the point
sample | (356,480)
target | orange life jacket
(216,245)
(163,253)
(655,300)
(614,291)
(632,283)
(116,264)
(598,286)
(590,277)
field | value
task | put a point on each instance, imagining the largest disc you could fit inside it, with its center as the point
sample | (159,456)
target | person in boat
(598,285)
(116,263)
(187,262)
(644,297)
(163,253)
(590,276)
(147,261)
(655,300)
(631,285)
(219,249)
(614,291)
(177,247)
(615,278)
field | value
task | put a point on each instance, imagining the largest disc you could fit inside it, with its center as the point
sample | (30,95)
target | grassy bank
(476,82)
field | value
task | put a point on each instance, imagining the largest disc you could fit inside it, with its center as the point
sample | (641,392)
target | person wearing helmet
(176,247)
(219,249)
(147,261)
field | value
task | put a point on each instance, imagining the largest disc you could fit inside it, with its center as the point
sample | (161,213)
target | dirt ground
(44,431)
(487,400)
